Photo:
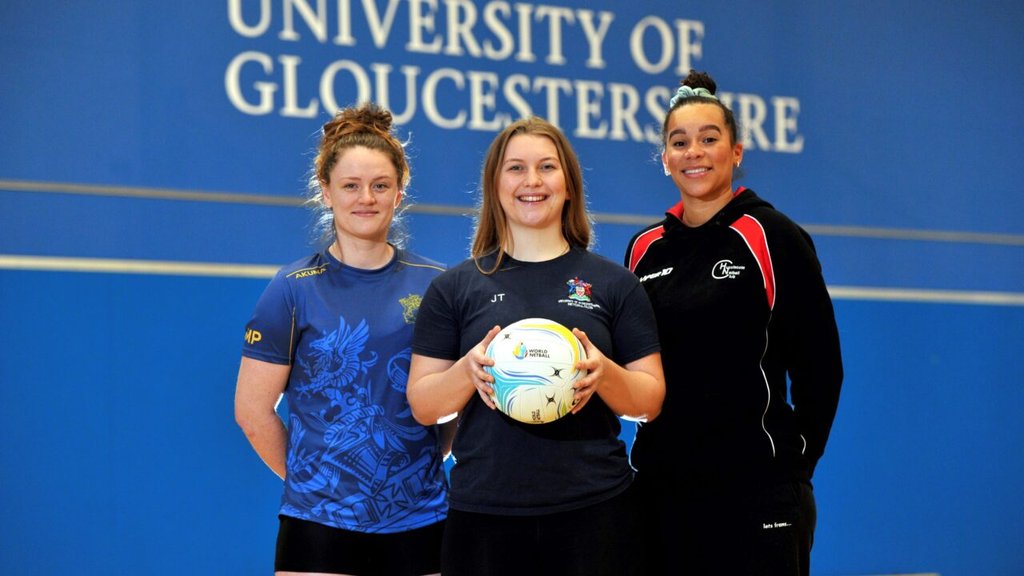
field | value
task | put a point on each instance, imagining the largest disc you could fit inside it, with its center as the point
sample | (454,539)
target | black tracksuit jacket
(749,346)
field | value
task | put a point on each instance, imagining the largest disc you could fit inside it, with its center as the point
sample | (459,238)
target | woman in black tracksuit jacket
(752,363)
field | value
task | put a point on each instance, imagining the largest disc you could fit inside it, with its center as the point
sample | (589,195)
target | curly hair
(369,126)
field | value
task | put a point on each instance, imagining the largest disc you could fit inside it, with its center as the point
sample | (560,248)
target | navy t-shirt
(507,467)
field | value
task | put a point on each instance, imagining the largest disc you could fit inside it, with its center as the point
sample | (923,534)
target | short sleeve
(437,329)
(635,331)
(270,333)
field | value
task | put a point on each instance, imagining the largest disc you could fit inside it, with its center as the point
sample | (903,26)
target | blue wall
(143,208)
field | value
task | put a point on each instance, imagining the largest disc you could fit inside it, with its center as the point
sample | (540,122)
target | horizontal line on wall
(172,268)
(452,210)
(123,266)
(907,574)
(922,295)
(910,234)
(147,193)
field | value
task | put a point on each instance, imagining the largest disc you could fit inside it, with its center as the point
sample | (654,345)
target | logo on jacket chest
(725,269)
(658,274)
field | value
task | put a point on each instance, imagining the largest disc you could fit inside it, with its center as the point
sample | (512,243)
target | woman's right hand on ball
(476,360)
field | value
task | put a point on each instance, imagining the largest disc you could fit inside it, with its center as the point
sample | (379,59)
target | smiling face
(531,183)
(363,193)
(699,153)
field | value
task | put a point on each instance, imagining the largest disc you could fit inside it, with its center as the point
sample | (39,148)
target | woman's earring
(665,168)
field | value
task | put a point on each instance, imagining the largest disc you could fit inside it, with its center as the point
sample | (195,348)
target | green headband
(685,92)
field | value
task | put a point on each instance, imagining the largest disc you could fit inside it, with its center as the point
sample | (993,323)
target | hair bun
(700,80)
(370,115)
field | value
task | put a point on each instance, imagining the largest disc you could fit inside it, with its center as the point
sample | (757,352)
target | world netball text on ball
(258,83)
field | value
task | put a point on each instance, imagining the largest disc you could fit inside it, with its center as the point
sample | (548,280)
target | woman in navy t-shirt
(536,498)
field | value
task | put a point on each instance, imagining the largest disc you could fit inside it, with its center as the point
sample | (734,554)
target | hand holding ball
(535,370)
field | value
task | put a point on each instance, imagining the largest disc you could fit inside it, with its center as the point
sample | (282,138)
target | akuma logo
(306,272)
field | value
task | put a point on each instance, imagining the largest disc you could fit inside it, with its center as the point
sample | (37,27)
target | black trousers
(304,546)
(598,540)
(760,530)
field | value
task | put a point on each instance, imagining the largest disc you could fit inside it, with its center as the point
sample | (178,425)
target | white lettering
(496,30)
(327,92)
(460,30)
(689,37)
(483,96)
(494,23)
(430,98)
(556,15)
(380,75)
(587,107)
(483,100)
(525,53)
(751,112)
(638,50)
(233,88)
(658,274)
(625,103)
(595,36)
(786,110)
(344,36)
(514,87)
(380,28)
(686,45)
(656,102)
(724,269)
(420,24)
(289,65)
(552,86)
(238,22)
(316,20)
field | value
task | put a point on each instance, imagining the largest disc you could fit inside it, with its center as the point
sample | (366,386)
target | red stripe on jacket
(753,234)
(644,241)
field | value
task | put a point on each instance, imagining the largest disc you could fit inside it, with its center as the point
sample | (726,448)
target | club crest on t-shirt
(580,294)
(579,290)
(410,305)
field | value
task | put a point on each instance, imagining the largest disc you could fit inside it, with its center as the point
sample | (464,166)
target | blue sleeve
(270,333)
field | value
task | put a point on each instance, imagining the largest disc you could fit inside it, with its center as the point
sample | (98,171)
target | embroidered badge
(579,290)
(410,305)
(724,269)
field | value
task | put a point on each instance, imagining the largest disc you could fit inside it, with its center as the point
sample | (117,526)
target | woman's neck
(697,211)
(537,245)
(362,254)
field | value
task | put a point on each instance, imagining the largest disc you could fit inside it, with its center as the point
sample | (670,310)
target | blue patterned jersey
(357,459)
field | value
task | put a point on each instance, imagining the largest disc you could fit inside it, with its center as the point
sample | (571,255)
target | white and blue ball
(535,370)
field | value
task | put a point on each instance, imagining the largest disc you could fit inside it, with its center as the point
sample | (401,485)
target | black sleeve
(436,333)
(813,358)
(635,330)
